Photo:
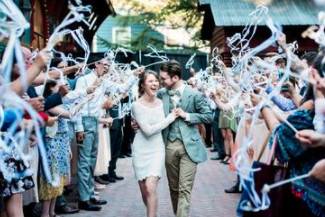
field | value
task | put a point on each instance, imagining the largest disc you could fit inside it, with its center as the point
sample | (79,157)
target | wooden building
(224,18)
(122,31)
(45,15)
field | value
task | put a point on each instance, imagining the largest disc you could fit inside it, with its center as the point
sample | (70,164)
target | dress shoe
(68,190)
(111,179)
(104,177)
(100,180)
(128,155)
(66,209)
(121,156)
(118,178)
(234,190)
(86,205)
(226,160)
(97,201)
(107,178)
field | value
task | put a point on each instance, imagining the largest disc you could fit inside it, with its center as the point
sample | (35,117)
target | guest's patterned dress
(15,176)
(57,150)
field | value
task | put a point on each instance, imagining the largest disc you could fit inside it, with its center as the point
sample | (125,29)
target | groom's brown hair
(173,68)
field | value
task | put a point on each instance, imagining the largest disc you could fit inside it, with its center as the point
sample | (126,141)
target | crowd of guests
(82,110)
(83,131)
(288,132)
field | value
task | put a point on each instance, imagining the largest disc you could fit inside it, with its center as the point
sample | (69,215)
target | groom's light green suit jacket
(193,103)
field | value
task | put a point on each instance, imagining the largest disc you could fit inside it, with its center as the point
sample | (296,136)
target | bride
(148,149)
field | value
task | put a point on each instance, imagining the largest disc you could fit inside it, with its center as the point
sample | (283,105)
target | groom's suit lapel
(185,97)
(166,103)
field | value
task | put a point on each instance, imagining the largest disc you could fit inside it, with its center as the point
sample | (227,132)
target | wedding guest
(218,143)
(307,193)
(104,148)
(15,173)
(58,153)
(87,138)
(116,134)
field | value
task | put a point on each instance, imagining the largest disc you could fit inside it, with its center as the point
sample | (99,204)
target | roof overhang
(231,13)
(101,9)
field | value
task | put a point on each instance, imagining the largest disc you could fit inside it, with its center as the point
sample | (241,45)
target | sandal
(226,160)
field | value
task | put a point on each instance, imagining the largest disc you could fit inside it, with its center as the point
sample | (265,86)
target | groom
(184,146)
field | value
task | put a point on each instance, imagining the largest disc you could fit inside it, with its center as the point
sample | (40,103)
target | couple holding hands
(167,136)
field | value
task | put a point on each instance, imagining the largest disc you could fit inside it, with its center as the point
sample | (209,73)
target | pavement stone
(208,197)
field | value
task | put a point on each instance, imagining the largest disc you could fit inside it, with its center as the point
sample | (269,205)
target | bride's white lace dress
(148,149)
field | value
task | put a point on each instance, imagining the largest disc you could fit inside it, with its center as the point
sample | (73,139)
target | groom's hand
(180,113)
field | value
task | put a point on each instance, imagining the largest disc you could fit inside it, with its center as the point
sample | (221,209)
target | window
(122,36)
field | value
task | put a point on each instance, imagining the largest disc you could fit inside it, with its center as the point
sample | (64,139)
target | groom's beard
(167,87)
(171,86)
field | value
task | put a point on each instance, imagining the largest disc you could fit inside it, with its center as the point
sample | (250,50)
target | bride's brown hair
(143,78)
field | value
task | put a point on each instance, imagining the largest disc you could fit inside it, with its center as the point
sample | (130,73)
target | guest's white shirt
(93,107)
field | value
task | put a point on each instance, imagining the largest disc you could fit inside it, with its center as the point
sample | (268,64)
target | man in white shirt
(87,138)
(86,127)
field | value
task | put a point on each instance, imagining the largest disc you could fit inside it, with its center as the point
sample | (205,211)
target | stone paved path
(208,197)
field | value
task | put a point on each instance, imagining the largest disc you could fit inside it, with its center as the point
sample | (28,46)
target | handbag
(280,197)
